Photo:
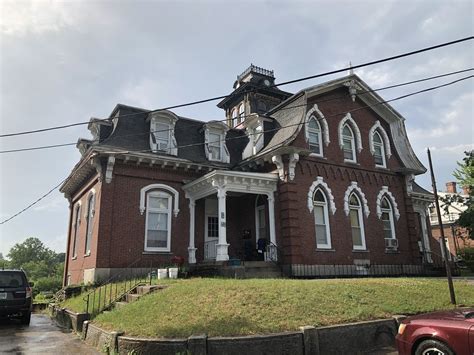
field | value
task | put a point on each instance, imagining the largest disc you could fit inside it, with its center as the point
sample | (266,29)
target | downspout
(68,244)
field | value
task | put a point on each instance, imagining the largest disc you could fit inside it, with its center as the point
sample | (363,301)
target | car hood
(456,314)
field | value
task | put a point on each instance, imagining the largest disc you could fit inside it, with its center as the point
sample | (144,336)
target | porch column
(222,246)
(271,217)
(191,248)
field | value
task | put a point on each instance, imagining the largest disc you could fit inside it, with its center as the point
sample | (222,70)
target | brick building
(317,178)
(457,238)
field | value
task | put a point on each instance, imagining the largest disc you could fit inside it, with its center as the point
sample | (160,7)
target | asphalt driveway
(41,337)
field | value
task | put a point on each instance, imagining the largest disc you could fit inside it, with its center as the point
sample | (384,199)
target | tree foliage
(465,177)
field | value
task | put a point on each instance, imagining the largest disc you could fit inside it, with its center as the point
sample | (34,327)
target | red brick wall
(457,237)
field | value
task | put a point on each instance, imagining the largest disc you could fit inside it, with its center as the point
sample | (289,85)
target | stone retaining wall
(68,319)
(340,339)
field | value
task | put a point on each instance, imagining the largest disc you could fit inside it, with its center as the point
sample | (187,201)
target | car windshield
(11,279)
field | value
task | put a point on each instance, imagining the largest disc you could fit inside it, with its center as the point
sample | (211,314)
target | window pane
(215,152)
(377,138)
(378,159)
(313,124)
(158,202)
(157,221)
(161,131)
(157,239)
(212,227)
(385,216)
(387,233)
(319,215)
(318,196)
(354,201)
(385,203)
(354,215)
(348,152)
(356,237)
(321,237)
(347,132)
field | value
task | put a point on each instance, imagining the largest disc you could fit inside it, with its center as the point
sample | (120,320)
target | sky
(66,61)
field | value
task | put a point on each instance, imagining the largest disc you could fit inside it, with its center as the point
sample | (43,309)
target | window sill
(74,257)
(316,155)
(351,162)
(325,249)
(87,254)
(149,252)
(388,251)
(360,251)
(382,167)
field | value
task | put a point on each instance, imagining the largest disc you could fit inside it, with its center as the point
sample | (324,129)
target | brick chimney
(451,187)
(466,190)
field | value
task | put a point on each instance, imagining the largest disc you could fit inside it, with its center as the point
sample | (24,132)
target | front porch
(232,216)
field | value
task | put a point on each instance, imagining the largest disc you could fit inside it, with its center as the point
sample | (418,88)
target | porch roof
(235,181)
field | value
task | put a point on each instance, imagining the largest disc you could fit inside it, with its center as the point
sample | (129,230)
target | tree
(31,250)
(465,176)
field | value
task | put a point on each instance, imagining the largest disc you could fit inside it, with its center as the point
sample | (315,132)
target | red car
(438,333)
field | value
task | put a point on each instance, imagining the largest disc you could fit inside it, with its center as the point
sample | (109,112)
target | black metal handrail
(104,296)
(275,255)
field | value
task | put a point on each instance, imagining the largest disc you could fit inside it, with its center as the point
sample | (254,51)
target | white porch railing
(210,250)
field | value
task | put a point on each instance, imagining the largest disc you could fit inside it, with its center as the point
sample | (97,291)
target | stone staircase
(261,270)
(138,292)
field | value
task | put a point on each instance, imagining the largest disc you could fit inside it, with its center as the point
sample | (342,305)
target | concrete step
(143,290)
(256,264)
(120,304)
(131,297)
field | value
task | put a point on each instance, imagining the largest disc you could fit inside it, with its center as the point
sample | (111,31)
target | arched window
(379,149)
(90,219)
(387,219)
(158,221)
(234,117)
(241,113)
(321,220)
(357,223)
(77,223)
(314,136)
(348,144)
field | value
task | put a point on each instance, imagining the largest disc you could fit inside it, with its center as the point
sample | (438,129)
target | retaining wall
(352,338)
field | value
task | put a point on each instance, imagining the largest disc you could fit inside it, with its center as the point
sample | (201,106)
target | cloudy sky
(66,61)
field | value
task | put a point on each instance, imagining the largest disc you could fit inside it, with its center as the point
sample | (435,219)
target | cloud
(57,203)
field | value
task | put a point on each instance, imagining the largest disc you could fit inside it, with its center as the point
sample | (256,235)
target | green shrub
(467,254)
(47,284)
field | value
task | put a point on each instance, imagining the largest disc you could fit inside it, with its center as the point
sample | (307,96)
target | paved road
(41,337)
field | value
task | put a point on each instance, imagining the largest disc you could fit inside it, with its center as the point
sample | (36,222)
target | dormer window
(162,138)
(215,147)
(314,136)
(254,125)
(379,151)
(348,144)
(379,145)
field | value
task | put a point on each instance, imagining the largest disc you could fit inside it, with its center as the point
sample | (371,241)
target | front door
(211,226)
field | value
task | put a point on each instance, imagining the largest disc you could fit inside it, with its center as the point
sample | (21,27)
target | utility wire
(274,85)
(245,116)
(241,137)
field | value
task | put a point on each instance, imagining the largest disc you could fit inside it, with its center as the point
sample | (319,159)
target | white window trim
(386,141)
(233,117)
(220,129)
(361,223)
(326,218)
(353,144)
(76,225)
(320,138)
(384,192)
(257,221)
(323,124)
(355,132)
(91,197)
(353,186)
(159,194)
(169,119)
(382,149)
(319,182)
(390,216)
(241,113)
(144,190)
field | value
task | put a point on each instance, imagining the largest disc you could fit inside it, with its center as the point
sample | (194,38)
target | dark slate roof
(419,190)
(132,133)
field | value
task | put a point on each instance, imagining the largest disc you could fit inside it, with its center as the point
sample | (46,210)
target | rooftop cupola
(254,92)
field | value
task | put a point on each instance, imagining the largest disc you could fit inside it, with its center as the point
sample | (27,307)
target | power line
(245,116)
(274,85)
(241,137)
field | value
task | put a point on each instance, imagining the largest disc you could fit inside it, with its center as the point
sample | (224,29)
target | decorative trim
(358,139)
(145,189)
(109,170)
(353,87)
(167,118)
(294,158)
(319,182)
(384,191)
(220,129)
(86,212)
(353,186)
(386,140)
(276,159)
(323,123)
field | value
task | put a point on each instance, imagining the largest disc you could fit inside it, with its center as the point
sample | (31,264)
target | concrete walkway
(41,337)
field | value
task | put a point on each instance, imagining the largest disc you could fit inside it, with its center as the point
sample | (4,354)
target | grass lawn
(223,307)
